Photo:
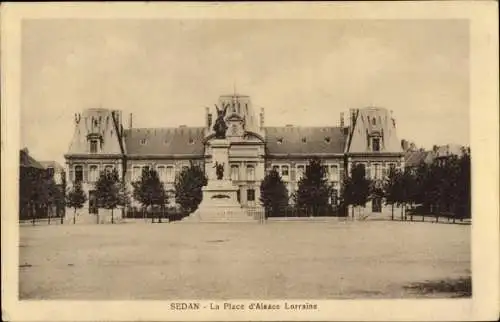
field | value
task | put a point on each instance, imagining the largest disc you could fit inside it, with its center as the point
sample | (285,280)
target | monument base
(220,204)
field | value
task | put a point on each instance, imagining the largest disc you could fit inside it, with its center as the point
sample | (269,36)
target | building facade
(101,141)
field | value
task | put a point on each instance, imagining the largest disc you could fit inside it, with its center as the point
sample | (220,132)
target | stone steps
(218,215)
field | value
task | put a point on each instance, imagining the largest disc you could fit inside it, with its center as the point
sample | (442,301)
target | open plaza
(324,259)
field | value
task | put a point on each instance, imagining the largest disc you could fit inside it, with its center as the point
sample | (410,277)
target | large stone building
(102,141)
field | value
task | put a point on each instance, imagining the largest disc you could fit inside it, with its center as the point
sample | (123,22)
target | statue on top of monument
(219,170)
(220,126)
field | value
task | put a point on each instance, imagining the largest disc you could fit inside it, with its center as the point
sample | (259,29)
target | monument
(220,195)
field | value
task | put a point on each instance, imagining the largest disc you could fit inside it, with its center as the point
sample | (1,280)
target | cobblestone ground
(266,261)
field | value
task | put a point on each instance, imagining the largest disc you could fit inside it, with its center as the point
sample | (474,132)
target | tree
(391,189)
(123,196)
(357,187)
(406,187)
(188,185)
(62,198)
(273,193)
(313,191)
(50,196)
(464,186)
(149,190)
(107,191)
(76,198)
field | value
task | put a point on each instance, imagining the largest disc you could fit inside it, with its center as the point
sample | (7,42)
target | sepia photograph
(227,164)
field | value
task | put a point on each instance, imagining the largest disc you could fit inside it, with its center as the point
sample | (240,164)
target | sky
(302,72)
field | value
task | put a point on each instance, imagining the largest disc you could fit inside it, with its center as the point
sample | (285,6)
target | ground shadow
(461,287)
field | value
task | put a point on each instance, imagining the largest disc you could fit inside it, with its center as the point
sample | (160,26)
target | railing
(297,212)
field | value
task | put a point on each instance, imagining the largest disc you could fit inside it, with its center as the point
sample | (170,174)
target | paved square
(318,260)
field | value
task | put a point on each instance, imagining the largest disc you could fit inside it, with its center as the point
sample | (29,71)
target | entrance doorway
(377,204)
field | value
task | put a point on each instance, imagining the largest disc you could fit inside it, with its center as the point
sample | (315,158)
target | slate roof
(414,158)
(51,164)
(305,140)
(165,141)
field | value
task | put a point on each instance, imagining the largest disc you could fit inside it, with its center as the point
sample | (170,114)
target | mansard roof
(305,140)
(165,141)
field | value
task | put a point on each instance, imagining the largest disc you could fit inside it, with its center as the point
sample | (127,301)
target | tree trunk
(392,212)
(48,213)
(112,219)
(401,212)
(62,218)
(74,216)
(161,215)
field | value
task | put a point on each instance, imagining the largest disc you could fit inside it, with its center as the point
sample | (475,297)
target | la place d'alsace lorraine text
(257,306)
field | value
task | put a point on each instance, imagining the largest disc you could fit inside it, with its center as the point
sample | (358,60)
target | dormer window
(374,121)
(143,141)
(327,139)
(376,144)
(303,140)
(93,146)
(191,141)
(280,140)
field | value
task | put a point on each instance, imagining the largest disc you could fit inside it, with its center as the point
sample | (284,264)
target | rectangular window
(300,172)
(334,173)
(284,171)
(136,173)
(250,195)
(235,171)
(170,174)
(93,173)
(78,173)
(50,172)
(161,173)
(93,146)
(376,171)
(250,173)
(376,144)
(276,168)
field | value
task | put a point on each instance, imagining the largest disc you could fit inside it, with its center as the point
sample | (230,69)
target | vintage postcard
(250,161)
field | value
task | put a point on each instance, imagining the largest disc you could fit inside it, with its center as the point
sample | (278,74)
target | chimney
(130,121)
(209,117)
(262,118)
(342,120)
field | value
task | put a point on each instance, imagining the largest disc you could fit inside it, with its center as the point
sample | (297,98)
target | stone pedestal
(220,204)
(220,199)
